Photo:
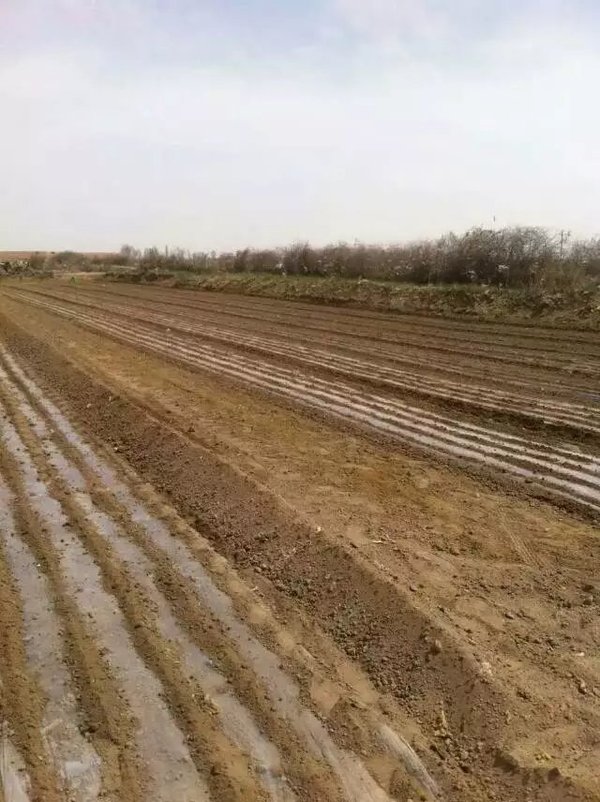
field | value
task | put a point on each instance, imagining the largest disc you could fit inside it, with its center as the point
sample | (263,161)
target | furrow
(346,344)
(15,785)
(188,668)
(107,717)
(558,413)
(579,486)
(269,370)
(310,320)
(216,307)
(76,760)
(568,457)
(195,299)
(174,346)
(297,760)
(167,765)
(284,694)
(274,379)
(24,751)
(582,421)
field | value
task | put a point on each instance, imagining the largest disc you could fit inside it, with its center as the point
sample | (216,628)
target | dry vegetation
(509,257)
(46,263)
(511,273)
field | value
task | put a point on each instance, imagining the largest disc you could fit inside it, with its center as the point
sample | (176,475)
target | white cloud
(386,19)
(101,150)
(39,77)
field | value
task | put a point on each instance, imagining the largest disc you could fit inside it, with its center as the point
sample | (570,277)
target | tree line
(512,257)
(518,257)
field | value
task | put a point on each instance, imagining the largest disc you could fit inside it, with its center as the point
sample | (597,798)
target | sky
(221,124)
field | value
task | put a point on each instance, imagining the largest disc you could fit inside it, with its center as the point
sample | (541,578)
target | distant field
(473,301)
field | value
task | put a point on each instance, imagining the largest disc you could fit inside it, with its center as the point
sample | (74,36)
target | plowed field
(256,550)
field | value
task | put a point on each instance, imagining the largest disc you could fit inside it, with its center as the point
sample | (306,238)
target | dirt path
(238,601)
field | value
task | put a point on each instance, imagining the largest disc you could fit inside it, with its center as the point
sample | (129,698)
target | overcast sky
(223,123)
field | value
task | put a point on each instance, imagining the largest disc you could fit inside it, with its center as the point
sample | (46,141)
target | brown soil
(20,700)
(464,613)
(476,302)
(507,426)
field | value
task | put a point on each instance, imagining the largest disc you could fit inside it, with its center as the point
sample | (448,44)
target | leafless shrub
(518,257)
